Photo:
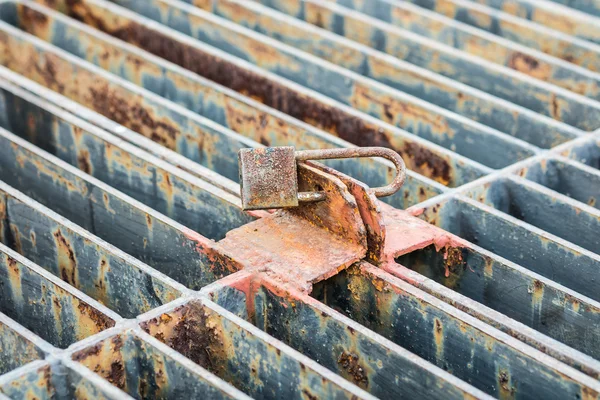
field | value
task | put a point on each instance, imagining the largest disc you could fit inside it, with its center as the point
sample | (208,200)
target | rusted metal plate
(320,238)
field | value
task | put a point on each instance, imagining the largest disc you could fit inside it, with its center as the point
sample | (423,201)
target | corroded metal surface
(128,268)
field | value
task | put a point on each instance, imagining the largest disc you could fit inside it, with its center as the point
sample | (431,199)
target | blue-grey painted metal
(486,46)
(358,128)
(464,100)
(552,15)
(82,260)
(515,29)
(119,127)
(503,82)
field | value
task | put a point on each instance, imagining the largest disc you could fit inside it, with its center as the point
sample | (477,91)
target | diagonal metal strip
(404,111)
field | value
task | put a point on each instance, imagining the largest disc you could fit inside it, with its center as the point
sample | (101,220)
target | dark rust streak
(31,17)
(350,363)
(68,273)
(423,157)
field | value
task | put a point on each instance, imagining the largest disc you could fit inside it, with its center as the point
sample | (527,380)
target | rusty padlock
(269,178)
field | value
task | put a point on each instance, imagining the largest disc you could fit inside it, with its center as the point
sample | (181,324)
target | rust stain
(427,163)
(203,4)
(453,261)
(67,263)
(537,296)
(589,394)
(507,390)
(438,334)
(194,333)
(398,112)
(350,364)
(249,286)
(16,234)
(14,276)
(102,292)
(90,320)
(106,360)
(131,112)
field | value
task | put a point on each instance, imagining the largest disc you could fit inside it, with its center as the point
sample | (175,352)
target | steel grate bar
(425,327)
(156,184)
(522,200)
(112,216)
(461,99)
(243,355)
(216,103)
(543,98)
(424,157)
(522,243)
(120,216)
(552,15)
(57,380)
(18,348)
(335,342)
(47,306)
(567,177)
(85,262)
(533,35)
(393,107)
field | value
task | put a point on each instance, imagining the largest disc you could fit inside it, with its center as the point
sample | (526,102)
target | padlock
(269,177)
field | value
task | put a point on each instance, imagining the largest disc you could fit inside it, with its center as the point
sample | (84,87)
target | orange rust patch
(193,332)
(67,263)
(530,66)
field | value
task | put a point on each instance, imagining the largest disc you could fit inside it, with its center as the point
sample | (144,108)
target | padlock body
(268,178)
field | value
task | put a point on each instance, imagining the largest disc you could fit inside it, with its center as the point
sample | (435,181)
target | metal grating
(121,223)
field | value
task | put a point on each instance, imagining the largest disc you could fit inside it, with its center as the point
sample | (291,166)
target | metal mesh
(120,123)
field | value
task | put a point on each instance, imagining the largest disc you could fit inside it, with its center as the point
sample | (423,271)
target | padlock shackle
(361,152)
